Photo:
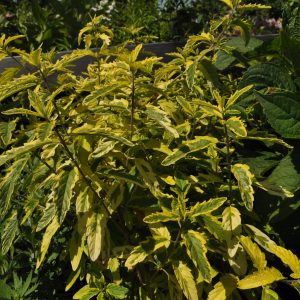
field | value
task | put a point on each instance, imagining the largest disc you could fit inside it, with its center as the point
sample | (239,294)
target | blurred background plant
(57,22)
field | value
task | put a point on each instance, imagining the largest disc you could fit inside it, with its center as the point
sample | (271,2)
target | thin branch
(132,103)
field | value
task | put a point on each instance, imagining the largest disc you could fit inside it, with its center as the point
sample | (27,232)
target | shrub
(150,170)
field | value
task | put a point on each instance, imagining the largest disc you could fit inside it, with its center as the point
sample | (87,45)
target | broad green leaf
(117,291)
(95,230)
(165,216)
(238,44)
(268,294)
(244,177)
(257,256)
(6,291)
(260,278)
(285,175)
(86,293)
(6,130)
(204,207)
(186,280)
(199,143)
(48,215)
(268,140)
(63,194)
(282,111)
(27,147)
(214,226)
(47,237)
(236,125)
(224,288)
(9,232)
(288,258)
(161,117)
(266,75)
(195,244)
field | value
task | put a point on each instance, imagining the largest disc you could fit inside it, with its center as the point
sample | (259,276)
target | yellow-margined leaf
(253,6)
(63,193)
(8,183)
(244,177)
(186,105)
(191,72)
(20,111)
(9,232)
(159,232)
(141,252)
(135,53)
(259,237)
(161,118)
(231,222)
(84,199)
(237,126)
(86,293)
(47,237)
(195,244)
(288,258)
(234,97)
(48,215)
(257,256)
(260,278)
(94,232)
(199,143)
(72,279)
(186,280)
(14,152)
(76,249)
(18,84)
(164,216)
(268,294)
(214,226)
(224,288)
(88,129)
(228,3)
(202,208)
(103,91)
(6,130)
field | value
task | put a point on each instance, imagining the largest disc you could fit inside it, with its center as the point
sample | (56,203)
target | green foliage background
(56,23)
(148,180)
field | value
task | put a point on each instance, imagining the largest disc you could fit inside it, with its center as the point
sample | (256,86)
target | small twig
(45,163)
(132,103)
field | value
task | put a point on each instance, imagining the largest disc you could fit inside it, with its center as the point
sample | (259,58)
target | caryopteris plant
(144,162)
